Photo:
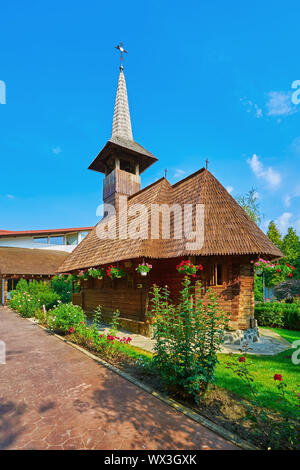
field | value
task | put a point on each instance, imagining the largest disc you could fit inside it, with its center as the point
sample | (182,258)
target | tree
(291,246)
(274,235)
(249,203)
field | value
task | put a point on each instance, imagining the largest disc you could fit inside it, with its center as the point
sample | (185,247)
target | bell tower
(122,160)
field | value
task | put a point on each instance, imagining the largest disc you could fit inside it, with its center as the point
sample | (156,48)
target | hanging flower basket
(83,275)
(96,273)
(263,266)
(115,273)
(143,269)
(62,276)
(188,268)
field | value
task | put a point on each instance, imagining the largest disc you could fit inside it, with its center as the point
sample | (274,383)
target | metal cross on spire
(122,50)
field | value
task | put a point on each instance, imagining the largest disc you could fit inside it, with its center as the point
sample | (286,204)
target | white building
(64,239)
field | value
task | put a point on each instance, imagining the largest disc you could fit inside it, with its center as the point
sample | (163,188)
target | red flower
(290,275)
(242,359)
(279,270)
(293,268)
(278,377)
(71,330)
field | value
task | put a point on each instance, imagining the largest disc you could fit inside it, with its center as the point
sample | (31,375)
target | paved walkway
(54,397)
(270,343)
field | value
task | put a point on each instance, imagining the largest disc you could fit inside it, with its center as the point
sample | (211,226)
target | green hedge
(278,315)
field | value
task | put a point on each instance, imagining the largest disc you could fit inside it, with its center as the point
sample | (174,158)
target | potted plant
(83,275)
(96,273)
(143,269)
(115,273)
(263,266)
(188,268)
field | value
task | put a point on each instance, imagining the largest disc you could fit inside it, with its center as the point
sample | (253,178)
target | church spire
(121,155)
(121,121)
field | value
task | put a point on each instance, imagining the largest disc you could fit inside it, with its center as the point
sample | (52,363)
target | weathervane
(121,49)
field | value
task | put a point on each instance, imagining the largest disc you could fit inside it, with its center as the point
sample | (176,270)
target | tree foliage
(250,205)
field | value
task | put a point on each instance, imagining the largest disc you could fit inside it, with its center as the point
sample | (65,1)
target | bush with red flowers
(188,268)
(278,433)
(188,337)
(65,317)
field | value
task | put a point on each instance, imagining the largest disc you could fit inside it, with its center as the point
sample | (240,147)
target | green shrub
(24,303)
(278,315)
(63,288)
(65,316)
(31,296)
(188,337)
(22,286)
(43,293)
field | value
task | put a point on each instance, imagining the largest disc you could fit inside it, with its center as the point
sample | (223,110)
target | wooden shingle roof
(227,228)
(20,261)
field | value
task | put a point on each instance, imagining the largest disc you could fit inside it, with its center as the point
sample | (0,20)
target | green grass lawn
(264,368)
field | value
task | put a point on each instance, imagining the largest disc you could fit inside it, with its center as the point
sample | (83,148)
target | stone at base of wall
(251,335)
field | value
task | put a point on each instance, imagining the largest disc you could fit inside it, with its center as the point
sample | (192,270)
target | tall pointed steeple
(121,121)
(122,160)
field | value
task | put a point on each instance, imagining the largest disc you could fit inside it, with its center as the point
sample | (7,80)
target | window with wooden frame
(216,275)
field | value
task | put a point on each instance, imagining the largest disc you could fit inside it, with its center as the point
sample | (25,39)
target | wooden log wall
(131,296)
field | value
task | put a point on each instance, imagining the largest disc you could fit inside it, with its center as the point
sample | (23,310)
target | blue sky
(205,80)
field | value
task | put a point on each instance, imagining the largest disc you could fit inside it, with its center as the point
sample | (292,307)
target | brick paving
(54,397)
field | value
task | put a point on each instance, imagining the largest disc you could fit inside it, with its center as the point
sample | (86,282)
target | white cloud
(287,200)
(265,224)
(252,107)
(56,150)
(179,173)
(280,104)
(229,189)
(271,176)
(283,221)
(289,197)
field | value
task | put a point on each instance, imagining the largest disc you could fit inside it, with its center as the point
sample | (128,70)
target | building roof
(121,136)
(17,233)
(30,261)
(227,228)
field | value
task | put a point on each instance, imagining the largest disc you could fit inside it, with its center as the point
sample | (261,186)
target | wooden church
(231,240)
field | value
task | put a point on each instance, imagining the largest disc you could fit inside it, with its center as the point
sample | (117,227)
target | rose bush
(65,316)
